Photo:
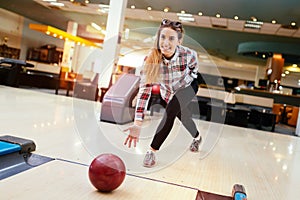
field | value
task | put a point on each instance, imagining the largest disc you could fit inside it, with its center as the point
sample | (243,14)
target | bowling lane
(266,163)
(47,119)
(64,180)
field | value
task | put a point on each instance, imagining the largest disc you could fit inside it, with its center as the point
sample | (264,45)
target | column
(69,47)
(274,70)
(298,124)
(112,40)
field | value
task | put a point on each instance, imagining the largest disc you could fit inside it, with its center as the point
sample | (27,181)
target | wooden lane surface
(64,180)
(265,163)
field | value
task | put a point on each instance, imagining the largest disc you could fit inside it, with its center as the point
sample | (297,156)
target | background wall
(16,29)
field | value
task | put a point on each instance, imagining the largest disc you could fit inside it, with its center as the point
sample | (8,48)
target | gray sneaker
(195,145)
(149,160)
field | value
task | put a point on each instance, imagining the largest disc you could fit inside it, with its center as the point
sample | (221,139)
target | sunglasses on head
(174,24)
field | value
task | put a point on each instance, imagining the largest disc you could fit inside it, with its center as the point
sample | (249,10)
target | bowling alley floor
(70,131)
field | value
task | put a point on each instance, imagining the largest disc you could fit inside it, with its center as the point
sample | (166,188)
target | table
(70,84)
(229,114)
(263,117)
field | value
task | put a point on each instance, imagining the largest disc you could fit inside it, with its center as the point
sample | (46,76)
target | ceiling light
(273,21)
(287,72)
(55,32)
(295,65)
(182,12)
(236,17)
(200,13)
(184,15)
(218,15)
(96,26)
(132,7)
(87,1)
(103,8)
(293,23)
(186,19)
(254,19)
(253,24)
(149,8)
(57,4)
(166,9)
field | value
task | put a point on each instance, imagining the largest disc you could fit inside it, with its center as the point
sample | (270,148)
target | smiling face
(168,41)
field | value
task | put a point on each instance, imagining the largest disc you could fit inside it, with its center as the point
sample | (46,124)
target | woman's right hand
(133,136)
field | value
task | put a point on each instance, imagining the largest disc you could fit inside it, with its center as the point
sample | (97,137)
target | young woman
(175,68)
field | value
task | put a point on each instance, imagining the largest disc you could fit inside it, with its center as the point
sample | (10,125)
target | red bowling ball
(107,172)
(156,89)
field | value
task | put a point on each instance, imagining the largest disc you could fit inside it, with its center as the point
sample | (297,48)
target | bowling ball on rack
(156,89)
(107,172)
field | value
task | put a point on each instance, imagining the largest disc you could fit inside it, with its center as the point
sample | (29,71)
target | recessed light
(166,9)
(132,6)
(200,13)
(218,15)
(293,23)
(273,21)
(149,8)
(57,4)
(254,19)
(182,12)
(236,17)
(96,26)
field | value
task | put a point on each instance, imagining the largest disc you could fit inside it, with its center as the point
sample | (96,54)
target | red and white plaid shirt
(176,73)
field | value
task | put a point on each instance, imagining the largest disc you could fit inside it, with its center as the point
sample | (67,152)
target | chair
(292,116)
(87,88)
(285,110)
(277,110)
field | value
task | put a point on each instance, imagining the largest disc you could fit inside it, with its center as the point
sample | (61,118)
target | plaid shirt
(176,73)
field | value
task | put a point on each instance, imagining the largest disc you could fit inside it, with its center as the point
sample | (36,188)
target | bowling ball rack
(16,156)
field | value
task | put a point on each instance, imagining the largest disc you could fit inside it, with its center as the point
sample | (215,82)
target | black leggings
(177,107)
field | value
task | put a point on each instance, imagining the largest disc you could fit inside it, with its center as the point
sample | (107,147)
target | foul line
(137,176)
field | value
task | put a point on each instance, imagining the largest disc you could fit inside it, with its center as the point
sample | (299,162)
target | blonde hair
(153,60)
(152,65)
